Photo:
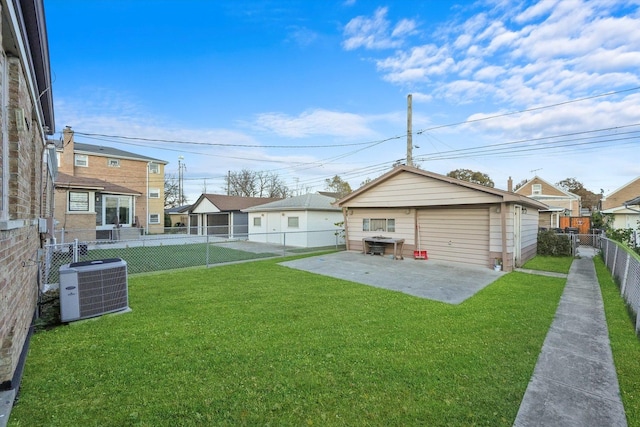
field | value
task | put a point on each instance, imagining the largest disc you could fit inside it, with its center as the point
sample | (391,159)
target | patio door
(116,211)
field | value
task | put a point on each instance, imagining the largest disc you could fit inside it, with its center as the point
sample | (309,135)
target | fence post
(75,250)
(284,244)
(623,282)
(207,243)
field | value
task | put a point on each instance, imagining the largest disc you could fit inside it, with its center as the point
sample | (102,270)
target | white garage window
(379,224)
(257,221)
(293,222)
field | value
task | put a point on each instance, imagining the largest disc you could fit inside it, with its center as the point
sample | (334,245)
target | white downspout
(146,220)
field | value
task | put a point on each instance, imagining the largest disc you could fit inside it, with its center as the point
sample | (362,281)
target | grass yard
(261,344)
(556,264)
(624,343)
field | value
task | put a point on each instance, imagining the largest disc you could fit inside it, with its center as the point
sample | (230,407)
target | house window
(293,222)
(78,201)
(379,224)
(536,189)
(113,163)
(257,221)
(154,193)
(117,210)
(154,218)
(154,168)
(82,160)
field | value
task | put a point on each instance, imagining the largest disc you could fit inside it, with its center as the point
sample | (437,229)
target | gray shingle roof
(100,150)
(308,202)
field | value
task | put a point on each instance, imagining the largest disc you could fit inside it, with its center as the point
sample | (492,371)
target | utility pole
(181,167)
(409,132)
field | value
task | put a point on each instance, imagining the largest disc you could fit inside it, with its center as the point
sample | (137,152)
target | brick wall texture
(30,196)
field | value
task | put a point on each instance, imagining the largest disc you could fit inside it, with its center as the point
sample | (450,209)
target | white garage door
(458,235)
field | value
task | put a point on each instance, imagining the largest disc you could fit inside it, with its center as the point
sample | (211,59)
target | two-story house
(560,202)
(27,168)
(622,205)
(106,193)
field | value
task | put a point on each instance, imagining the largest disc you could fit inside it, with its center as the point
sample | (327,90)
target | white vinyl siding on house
(455,234)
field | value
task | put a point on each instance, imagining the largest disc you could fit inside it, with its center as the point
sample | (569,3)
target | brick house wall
(130,173)
(29,198)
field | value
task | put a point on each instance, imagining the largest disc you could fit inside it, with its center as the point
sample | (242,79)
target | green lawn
(556,264)
(261,344)
(624,343)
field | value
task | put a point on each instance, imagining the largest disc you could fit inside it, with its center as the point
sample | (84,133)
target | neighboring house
(27,168)
(620,205)
(560,202)
(217,214)
(305,221)
(103,192)
(452,220)
(178,216)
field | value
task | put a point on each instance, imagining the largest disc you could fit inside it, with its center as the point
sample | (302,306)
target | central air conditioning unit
(93,288)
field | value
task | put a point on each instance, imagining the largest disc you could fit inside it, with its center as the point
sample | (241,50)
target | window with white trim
(78,201)
(257,221)
(536,189)
(81,160)
(293,222)
(154,218)
(113,163)
(379,224)
(154,193)
(154,168)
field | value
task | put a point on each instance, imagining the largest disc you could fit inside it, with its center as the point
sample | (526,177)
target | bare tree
(172,192)
(247,183)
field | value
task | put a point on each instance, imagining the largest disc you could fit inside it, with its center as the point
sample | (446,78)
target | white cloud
(376,32)
(314,123)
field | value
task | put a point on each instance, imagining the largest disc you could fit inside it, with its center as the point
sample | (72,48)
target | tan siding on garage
(409,189)
(456,235)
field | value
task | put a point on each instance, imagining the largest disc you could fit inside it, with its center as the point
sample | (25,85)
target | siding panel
(456,235)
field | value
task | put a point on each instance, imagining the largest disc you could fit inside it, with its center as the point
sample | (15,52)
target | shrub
(552,243)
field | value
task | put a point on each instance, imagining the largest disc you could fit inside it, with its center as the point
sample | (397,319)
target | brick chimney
(66,151)
(510,185)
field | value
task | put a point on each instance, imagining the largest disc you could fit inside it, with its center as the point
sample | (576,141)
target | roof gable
(229,203)
(409,186)
(547,189)
(621,195)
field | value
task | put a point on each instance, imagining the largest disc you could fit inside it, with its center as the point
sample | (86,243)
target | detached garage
(453,220)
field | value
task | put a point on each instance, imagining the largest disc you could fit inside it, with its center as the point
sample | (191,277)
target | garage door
(458,235)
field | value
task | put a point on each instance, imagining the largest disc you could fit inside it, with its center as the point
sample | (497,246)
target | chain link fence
(175,249)
(624,266)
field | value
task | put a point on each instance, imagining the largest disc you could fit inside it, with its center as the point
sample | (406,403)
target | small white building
(306,221)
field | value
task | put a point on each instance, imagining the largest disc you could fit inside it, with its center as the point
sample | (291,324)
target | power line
(528,110)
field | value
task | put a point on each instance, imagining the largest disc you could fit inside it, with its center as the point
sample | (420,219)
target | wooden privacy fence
(582,223)
(625,268)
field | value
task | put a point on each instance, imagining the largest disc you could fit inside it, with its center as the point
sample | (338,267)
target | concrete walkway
(575,381)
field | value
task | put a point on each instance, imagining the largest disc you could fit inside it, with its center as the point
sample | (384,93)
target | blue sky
(310,89)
